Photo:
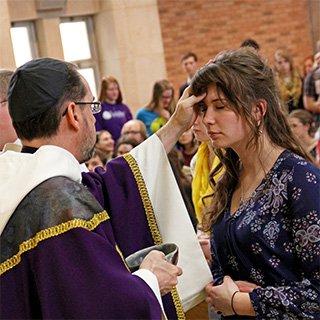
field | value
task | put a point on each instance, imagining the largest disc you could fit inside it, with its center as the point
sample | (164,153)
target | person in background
(289,80)
(114,114)
(265,208)
(188,145)
(105,144)
(160,108)
(7,133)
(134,129)
(124,145)
(97,159)
(251,43)
(302,125)
(189,62)
(307,66)
(311,97)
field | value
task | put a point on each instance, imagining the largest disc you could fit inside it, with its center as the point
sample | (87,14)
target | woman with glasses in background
(160,108)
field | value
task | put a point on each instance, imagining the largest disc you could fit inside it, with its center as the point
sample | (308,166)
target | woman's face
(166,98)
(186,137)
(308,64)
(299,129)
(106,143)
(124,148)
(199,129)
(225,128)
(112,92)
(283,65)
(93,163)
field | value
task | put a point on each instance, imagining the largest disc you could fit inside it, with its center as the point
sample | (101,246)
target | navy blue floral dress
(273,240)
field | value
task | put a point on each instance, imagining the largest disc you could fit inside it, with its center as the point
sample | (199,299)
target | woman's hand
(245,286)
(204,241)
(219,297)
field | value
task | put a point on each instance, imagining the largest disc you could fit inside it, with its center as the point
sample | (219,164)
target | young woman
(188,146)
(124,145)
(289,80)
(105,144)
(265,210)
(114,114)
(160,108)
(302,125)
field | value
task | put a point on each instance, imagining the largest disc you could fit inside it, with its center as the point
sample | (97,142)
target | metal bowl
(170,251)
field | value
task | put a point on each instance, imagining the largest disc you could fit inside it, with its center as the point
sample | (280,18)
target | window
(23,42)
(78,47)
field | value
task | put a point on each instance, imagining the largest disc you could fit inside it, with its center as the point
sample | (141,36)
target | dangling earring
(258,129)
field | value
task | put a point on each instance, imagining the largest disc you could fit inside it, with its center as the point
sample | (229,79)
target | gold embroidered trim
(144,195)
(177,303)
(152,222)
(122,257)
(52,232)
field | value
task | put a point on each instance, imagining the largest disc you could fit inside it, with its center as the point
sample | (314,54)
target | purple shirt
(112,118)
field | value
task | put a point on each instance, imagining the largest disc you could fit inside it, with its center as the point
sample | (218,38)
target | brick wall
(209,26)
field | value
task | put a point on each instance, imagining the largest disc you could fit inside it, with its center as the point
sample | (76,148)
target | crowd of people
(243,142)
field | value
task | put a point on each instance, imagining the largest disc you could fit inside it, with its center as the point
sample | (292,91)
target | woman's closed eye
(202,107)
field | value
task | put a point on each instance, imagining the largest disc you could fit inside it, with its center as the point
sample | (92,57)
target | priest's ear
(72,116)
(259,109)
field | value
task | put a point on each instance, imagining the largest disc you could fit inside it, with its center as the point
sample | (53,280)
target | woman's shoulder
(144,112)
(293,162)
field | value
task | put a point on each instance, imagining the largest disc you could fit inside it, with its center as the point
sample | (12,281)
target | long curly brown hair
(243,78)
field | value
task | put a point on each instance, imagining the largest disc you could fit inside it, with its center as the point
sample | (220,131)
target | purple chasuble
(117,191)
(59,261)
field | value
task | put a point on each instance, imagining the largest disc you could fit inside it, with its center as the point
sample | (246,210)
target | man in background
(134,129)
(189,63)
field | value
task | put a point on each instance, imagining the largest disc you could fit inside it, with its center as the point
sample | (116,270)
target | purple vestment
(117,191)
(59,260)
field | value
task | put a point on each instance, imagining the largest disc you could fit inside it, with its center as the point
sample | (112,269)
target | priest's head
(51,103)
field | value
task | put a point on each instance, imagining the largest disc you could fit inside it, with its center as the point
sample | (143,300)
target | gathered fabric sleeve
(297,299)
(216,269)
(80,275)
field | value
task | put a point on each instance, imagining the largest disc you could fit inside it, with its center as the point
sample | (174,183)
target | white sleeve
(172,219)
(151,280)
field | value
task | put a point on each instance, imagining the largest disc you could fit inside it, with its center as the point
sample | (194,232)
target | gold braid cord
(152,222)
(52,232)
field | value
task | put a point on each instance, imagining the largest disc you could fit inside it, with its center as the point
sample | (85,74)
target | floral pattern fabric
(273,240)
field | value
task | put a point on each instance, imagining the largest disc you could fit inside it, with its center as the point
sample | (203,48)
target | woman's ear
(260,109)
(72,116)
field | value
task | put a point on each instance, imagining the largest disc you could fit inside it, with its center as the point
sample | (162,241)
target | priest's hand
(166,273)
(181,120)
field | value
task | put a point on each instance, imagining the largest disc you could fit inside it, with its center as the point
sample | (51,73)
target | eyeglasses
(95,106)
(131,132)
